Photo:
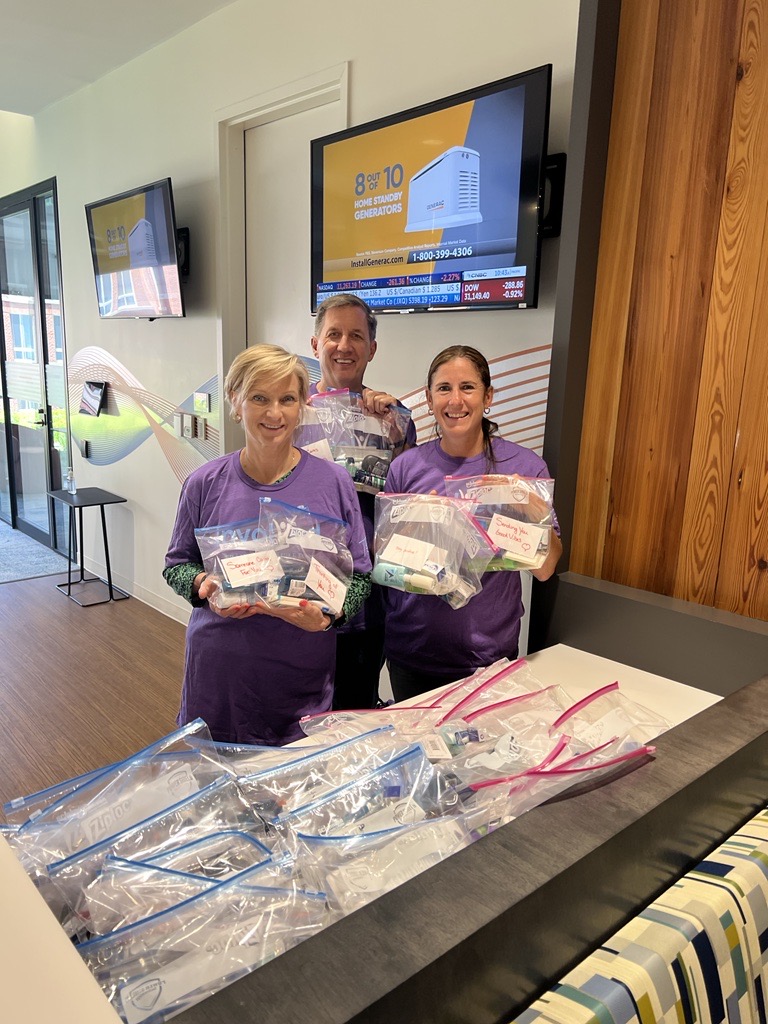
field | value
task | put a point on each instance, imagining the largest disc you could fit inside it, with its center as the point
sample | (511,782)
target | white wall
(158,116)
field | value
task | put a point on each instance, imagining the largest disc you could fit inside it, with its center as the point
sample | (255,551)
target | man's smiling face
(344,348)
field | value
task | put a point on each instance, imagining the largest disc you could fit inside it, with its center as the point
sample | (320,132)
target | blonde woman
(251,672)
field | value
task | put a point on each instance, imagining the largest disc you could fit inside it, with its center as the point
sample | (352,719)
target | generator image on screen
(141,244)
(446,193)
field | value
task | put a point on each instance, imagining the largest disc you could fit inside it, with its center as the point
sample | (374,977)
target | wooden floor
(80,687)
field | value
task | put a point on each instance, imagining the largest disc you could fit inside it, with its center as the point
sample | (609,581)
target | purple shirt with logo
(424,633)
(252,679)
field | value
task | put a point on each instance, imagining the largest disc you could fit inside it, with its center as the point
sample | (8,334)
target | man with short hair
(344,343)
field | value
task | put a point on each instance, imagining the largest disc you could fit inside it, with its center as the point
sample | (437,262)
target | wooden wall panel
(686,156)
(743,578)
(621,210)
(730,331)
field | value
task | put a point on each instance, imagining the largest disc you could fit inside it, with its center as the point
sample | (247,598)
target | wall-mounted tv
(437,207)
(133,246)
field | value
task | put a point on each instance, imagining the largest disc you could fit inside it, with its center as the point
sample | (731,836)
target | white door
(277,189)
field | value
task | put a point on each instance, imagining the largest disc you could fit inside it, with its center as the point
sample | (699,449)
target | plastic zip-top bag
(337,426)
(246,758)
(353,870)
(113,800)
(22,809)
(217,807)
(405,790)
(426,544)
(286,556)
(238,559)
(515,511)
(312,548)
(280,789)
(126,891)
(166,963)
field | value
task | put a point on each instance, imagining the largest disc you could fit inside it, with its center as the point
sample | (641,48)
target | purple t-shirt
(252,679)
(423,632)
(372,612)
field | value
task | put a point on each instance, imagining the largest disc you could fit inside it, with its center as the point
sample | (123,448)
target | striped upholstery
(697,955)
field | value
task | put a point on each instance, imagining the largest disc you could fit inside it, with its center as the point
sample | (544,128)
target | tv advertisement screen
(436,207)
(133,247)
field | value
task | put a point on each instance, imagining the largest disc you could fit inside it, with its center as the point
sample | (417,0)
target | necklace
(255,474)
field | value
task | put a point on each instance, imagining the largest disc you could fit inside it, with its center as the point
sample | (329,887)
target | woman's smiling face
(458,397)
(270,412)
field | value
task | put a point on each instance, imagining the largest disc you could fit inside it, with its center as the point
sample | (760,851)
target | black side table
(87,497)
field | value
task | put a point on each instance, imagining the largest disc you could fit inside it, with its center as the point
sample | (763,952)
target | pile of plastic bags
(193,862)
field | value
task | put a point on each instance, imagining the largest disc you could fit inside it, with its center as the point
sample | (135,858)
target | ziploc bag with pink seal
(426,544)
(510,796)
(159,966)
(515,511)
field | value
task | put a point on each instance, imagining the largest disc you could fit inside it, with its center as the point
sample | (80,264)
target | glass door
(33,380)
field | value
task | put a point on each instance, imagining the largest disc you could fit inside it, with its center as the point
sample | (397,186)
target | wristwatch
(335,623)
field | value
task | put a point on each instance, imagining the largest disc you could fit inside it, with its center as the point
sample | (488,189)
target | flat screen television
(135,260)
(437,207)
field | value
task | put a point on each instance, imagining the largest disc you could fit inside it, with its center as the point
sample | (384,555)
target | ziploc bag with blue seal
(125,891)
(516,513)
(114,799)
(217,855)
(353,870)
(289,554)
(221,805)
(280,789)
(154,969)
(337,426)
(425,544)
(239,561)
(312,550)
(246,758)
(24,808)
(406,790)
(409,723)
(325,423)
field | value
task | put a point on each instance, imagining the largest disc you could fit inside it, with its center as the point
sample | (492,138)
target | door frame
(27,198)
(317,90)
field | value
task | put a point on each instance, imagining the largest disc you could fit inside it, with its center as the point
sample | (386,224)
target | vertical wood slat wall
(673,471)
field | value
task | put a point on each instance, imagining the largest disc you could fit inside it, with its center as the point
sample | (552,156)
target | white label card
(255,567)
(326,585)
(320,449)
(515,536)
(407,551)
